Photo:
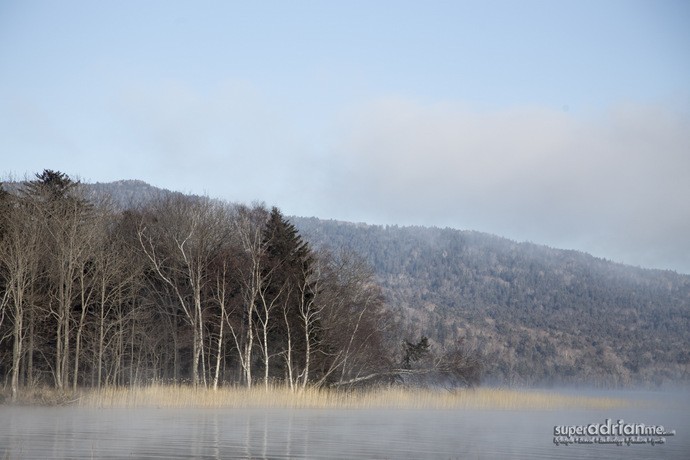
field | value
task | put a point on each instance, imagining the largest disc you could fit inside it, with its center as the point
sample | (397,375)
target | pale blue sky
(559,122)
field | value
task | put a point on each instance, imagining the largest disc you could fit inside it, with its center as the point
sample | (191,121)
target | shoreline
(180,396)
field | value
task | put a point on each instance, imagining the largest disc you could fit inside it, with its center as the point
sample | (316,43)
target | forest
(183,289)
(124,284)
(537,315)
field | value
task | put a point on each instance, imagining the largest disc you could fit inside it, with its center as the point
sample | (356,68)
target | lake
(72,432)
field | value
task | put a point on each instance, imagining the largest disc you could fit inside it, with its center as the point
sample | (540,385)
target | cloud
(614,183)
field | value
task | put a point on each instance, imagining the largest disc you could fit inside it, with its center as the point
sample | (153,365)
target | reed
(173,396)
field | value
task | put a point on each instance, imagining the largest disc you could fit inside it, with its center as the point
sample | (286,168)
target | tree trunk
(17,347)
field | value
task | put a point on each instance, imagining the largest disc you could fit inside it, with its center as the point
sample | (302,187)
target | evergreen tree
(284,246)
(288,271)
(51,185)
(415,352)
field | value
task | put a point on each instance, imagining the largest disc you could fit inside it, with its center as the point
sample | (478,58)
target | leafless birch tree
(179,241)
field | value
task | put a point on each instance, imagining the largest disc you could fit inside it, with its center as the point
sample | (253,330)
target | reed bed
(169,396)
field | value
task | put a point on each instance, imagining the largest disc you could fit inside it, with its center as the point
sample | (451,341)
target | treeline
(186,289)
(538,315)
(528,313)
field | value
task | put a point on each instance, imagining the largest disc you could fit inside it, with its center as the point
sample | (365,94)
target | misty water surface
(68,432)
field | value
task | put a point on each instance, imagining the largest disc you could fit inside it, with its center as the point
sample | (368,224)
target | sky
(564,123)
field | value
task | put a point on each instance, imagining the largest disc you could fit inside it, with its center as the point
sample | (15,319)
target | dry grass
(42,396)
(396,398)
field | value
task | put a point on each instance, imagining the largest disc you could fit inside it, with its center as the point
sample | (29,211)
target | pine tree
(415,352)
(289,272)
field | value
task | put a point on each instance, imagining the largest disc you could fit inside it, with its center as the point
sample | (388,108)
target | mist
(78,432)
(613,184)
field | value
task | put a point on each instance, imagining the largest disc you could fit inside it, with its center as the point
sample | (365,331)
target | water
(68,432)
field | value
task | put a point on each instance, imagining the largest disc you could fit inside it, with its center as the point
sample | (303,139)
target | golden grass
(168,396)
(41,396)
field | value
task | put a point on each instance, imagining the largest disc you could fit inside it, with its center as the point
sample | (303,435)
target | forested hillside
(536,314)
(124,283)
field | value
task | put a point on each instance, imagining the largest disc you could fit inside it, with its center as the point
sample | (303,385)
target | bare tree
(248,230)
(91,274)
(179,240)
(223,287)
(19,269)
(353,320)
(115,276)
(221,297)
(65,217)
(310,307)
(268,302)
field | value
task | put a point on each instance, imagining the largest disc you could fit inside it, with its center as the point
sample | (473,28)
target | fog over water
(70,432)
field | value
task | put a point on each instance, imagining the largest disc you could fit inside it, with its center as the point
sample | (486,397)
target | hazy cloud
(616,183)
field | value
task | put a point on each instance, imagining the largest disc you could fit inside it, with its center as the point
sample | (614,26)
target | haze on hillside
(562,123)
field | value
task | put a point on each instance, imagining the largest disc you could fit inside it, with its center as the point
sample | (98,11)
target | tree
(179,238)
(65,219)
(289,287)
(248,226)
(224,291)
(310,309)
(415,352)
(19,270)
(115,276)
(460,365)
(351,346)
(451,367)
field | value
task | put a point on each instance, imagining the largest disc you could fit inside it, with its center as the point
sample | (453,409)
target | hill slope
(537,314)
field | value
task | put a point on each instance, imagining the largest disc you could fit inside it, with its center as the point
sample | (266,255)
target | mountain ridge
(149,191)
(533,304)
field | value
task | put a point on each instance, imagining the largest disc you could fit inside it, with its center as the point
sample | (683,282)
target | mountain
(536,314)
